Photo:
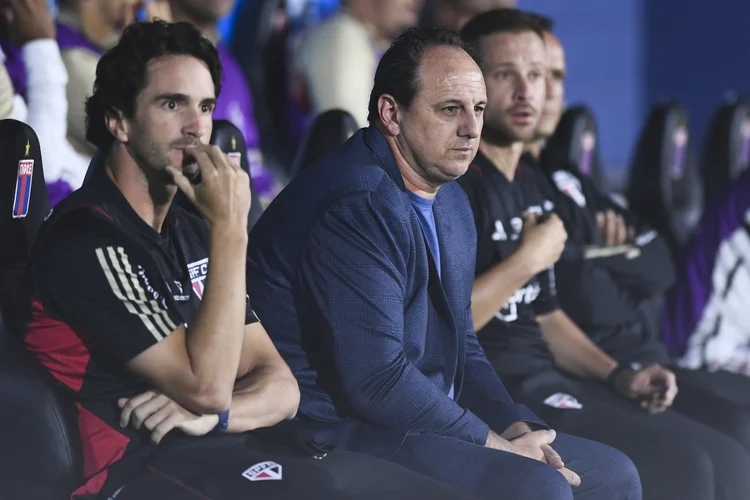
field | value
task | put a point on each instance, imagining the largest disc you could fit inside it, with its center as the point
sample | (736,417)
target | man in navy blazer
(362,271)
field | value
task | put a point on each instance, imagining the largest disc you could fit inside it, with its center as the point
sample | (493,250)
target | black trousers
(678,458)
(244,467)
(720,400)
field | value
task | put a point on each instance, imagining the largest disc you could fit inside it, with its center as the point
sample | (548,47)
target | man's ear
(390,113)
(117,125)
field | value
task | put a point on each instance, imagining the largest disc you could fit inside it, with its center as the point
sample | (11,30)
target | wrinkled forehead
(449,72)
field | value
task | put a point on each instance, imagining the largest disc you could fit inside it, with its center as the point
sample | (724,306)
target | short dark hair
(122,72)
(500,21)
(546,23)
(398,70)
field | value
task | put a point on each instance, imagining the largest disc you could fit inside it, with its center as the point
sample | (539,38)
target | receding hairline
(435,48)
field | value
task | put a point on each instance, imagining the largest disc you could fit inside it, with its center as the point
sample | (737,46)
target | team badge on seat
(23,188)
(263,471)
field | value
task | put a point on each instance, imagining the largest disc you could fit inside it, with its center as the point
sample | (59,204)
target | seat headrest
(328,131)
(574,145)
(230,139)
(664,184)
(24,202)
(726,151)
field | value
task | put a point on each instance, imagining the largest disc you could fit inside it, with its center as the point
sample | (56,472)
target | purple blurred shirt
(235,104)
(693,290)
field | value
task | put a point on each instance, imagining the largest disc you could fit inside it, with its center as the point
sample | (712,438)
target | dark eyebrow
(182,98)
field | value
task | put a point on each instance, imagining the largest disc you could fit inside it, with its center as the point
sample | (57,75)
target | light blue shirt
(423,207)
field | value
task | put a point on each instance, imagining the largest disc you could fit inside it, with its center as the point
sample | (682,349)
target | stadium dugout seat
(230,139)
(574,146)
(40,457)
(328,131)
(663,187)
(726,150)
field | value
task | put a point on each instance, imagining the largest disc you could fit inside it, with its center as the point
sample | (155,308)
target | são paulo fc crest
(198,270)
(563,401)
(263,471)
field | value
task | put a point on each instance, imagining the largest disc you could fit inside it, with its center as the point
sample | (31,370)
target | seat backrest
(23,194)
(39,446)
(328,131)
(574,145)
(726,150)
(663,187)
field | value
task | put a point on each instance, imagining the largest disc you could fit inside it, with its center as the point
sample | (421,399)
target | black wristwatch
(611,380)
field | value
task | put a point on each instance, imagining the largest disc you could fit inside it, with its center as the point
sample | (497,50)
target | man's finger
(572,478)
(158,417)
(553,458)
(182,182)
(622,230)
(631,234)
(611,228)
(147,409)
(600,219)
(206,166)
(528,218)
(670,394)
(132,404)
(220,159)
(166,426)
(539,438)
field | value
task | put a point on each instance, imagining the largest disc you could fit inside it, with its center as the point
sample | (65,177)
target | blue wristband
(223,424)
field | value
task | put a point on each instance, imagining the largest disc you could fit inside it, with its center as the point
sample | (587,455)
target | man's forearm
(214,340)
(492,289)
(262,398)
(574,352)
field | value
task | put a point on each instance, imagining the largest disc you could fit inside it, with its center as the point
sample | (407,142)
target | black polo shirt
(104,287)
(513,339)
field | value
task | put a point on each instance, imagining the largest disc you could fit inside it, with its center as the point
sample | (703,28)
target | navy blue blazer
(341,276)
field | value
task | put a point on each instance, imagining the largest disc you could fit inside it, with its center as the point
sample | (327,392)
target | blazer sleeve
(484,393)
(354,271)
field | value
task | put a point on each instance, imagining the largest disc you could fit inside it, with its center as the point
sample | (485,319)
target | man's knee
(541,482)
(736,424)
(605,471)
(621,475)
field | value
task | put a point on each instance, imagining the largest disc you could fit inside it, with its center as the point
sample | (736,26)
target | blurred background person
(85,30)
(32,58)
(454,14)
(334,63)
(6,94)
(235,103)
